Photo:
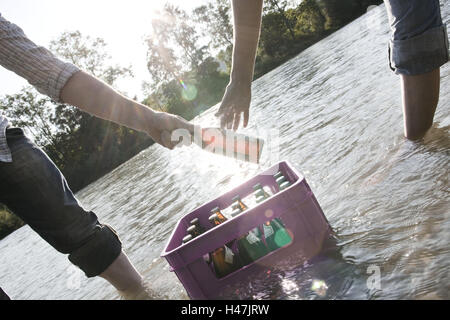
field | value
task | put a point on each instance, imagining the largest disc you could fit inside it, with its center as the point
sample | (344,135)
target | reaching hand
(235,101)
(162,126)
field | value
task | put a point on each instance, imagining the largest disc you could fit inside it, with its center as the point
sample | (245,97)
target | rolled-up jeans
(419,41)
(35,190)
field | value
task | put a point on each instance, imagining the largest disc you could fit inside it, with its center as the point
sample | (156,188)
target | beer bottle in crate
(223,258)
(275,233)
(284,185)
(194,230)
(281,180)
(250,245)
(196,222)
(220,216)
(187,238)
(238,204)
(278,174)
(259,191)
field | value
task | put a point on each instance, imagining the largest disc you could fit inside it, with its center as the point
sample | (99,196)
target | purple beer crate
(297,208)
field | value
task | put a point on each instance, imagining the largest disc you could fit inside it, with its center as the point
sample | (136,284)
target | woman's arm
(99,99)
(247,25)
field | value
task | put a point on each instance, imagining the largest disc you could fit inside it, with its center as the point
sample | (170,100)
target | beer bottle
(187,238)
(284,185)
(275,233)
(258,190)
(223,258)
(229,143)
(220,216)
(193,231)
(278,174)
(237,203)
(196,222)
(250,245)
(260,193)
(280,179)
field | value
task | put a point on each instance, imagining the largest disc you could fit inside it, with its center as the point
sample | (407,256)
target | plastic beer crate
(297,208)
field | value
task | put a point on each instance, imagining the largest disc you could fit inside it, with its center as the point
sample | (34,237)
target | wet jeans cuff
(419,54)
(97,254)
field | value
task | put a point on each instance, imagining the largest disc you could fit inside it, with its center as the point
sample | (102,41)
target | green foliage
(173,47)
(8,222)
(288,27)
(89,54)
(199,89)
(185,79)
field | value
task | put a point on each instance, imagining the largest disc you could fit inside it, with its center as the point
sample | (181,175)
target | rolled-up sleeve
(36,64)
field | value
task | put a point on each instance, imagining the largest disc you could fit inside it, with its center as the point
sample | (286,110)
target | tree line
(188,59)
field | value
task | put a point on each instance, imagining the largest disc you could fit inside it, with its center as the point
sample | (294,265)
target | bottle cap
(187,238)
(259,193)
(215,209)
(236,198)
(278,174)
(194,221)
(191,229)
(281,179)
(257,186)
(284,185)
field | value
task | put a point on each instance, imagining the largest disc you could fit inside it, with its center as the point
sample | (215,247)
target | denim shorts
(35,190)
(419,41)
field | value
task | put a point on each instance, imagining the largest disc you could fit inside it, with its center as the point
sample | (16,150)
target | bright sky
(122,24)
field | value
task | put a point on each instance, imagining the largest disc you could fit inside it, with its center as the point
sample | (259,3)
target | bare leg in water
(420,96)
(126,279)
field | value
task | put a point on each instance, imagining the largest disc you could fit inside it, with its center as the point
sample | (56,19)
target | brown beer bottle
(230,143)
(220,217)
(238,204)
(223,258)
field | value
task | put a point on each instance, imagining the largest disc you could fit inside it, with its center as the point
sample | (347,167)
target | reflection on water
(334,113)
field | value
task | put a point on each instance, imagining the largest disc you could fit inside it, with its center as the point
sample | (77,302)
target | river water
(334,112)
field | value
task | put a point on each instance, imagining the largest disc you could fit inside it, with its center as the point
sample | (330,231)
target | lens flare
(182,84)
(268,213)
(188,91)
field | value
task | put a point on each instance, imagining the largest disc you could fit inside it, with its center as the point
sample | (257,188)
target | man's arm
(247,25)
